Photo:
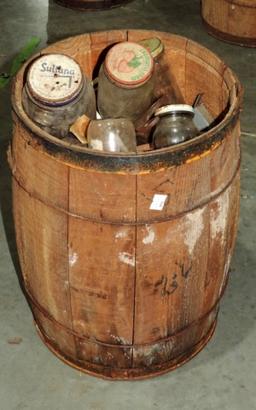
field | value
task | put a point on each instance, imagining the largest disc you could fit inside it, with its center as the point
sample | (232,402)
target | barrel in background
(118,289)
(92,4)
(231,20)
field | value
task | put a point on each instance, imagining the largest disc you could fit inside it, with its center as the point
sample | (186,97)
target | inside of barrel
(195,68)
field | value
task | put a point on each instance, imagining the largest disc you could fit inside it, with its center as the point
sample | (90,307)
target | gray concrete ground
(223,376)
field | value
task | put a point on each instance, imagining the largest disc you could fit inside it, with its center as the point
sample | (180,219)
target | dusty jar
(56,93)
(176,125)
(126,81)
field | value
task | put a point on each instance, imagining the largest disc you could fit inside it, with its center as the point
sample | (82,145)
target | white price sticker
(158,202)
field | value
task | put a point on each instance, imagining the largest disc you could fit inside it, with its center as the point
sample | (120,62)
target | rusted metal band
(129,373)
(230,38)
(130,223)
(143,163)
(48,316)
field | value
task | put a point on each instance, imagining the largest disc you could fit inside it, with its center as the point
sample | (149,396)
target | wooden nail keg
(92,4)
(231,20)
(125,257)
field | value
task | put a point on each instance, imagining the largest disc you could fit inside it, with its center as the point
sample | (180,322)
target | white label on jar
(54,77)
(158,202)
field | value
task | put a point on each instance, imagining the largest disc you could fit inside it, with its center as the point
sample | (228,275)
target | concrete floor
(223,376)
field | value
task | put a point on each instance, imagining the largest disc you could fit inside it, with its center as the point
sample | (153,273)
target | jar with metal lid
(176,125)
(56,93)
(126,81)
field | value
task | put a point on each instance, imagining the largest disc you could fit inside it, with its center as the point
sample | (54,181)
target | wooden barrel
(125,257)
(92,4)
(231,20)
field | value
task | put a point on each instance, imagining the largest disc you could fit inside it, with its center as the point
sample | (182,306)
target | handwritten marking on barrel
(127,258)
(194,227)
(163,183)
(184,271)
(149,239)
(168,284)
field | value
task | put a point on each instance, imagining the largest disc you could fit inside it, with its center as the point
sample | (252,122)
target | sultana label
(54,77)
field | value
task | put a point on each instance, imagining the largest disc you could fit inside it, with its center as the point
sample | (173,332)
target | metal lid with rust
(129,64)
(154,45)
(54,79)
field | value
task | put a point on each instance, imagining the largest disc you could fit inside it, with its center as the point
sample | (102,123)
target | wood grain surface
(231,20)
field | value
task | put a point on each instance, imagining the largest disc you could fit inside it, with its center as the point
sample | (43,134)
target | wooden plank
(40,174)
(241,20)
(215,12)
(171,266)
(211,90)
(111,357)
(173,350)
(232,17)
(42,247)
(103,196)
(102,274)
(199,179)
(58,336)
(224,213)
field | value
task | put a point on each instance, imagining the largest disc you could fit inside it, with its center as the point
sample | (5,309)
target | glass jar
(113,135)
(176,125)
(126,82)
(56,93)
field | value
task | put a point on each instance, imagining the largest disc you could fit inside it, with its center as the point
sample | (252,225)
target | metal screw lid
(129,64)
(154,45)
(174,108)
(54,79)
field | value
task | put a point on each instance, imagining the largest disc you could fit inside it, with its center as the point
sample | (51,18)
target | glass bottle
(113,135)
(126,82)
(56,93)
(175,126)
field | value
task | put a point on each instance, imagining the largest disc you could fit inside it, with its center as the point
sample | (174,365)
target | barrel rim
(228,37)
(168,156)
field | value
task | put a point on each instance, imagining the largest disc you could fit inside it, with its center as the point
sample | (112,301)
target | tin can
(56,93)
